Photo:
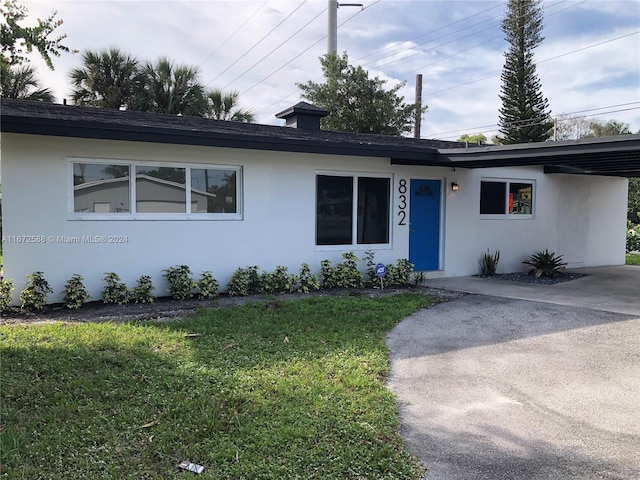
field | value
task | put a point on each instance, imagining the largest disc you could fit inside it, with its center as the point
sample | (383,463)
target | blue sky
(588,64)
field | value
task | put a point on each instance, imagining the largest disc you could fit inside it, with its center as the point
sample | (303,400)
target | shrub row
(633,237)
(182,286)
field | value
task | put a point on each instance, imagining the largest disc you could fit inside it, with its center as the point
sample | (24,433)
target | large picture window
(107,190)
(506,197)
(341,199)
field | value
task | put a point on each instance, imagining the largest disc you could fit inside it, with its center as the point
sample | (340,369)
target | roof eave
(102,131)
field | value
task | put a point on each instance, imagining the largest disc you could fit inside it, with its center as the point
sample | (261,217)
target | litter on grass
(191,467)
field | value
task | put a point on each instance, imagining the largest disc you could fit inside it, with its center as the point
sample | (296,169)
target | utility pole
(332,46)
(332,37)
(417,125)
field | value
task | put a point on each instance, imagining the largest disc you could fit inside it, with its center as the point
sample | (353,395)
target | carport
(611,156)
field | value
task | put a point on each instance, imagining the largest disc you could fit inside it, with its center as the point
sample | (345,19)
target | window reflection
(100,188)
(160,190)
(213,191)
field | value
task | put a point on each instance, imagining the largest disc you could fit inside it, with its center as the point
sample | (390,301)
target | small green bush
(245,281)
(307,281)
(545,264)
(74,292)
(282,281)
(327,275)
(208,286)
(370,262)
(419,278)
(143,291)
(489,263)
(34,295)
(6,289)
(403,270)
(346,274)
(181,284)
(397,274)
(633,237)
(115,291)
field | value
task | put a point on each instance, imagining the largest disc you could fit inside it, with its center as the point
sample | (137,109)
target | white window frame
(132,214)
(354,245)
(506,215)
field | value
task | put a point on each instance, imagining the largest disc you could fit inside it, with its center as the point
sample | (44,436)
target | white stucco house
(89,191)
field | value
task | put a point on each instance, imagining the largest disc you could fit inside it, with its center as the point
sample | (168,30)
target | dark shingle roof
(618,156)
(20,116)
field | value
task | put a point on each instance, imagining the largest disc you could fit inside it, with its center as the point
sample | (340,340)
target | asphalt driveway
(498,388)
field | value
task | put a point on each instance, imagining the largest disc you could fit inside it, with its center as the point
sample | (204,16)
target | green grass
(291,389)
(633,258)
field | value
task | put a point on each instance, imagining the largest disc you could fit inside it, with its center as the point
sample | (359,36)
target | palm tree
(107,79)
(172,89)
(224,106)
(20,82)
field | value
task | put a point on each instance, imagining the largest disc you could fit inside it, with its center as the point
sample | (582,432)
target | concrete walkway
(612,289)
(502,388)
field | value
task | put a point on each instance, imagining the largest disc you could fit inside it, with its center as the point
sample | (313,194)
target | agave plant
(545,263)
(489,263)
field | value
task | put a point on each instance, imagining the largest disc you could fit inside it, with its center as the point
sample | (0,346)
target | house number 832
(402,204)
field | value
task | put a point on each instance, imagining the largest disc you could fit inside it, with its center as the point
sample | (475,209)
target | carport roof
(616,156)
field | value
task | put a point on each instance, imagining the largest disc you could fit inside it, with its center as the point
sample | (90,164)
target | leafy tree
(19,81)
(107,79)
(633,206)
(524,115)
(172,89)
(473,139)
(18,41)
(568,127)
(573,128)
(224,106)
(608,129)
(356,102)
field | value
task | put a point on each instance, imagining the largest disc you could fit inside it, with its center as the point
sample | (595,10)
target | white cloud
(439,39)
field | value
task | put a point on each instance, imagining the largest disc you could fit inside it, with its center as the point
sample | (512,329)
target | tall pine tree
(524,116)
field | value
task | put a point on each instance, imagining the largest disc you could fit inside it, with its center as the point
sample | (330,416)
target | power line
(541,120)
(272,51)
(233,34)
(433,31)
(462,38)
(257,43)
(297,56)
(541,61)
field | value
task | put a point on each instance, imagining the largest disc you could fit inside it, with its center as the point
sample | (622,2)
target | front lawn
(633,258)
(286,389)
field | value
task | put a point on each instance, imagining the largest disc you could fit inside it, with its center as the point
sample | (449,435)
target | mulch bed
(166,309)
(526,278)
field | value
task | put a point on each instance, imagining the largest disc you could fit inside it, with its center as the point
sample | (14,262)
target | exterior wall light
(455,187)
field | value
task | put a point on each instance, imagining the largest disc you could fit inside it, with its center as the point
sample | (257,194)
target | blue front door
(424,224)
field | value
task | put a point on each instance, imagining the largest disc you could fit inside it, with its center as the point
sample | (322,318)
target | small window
(506,197)
(100,188)
(336,197)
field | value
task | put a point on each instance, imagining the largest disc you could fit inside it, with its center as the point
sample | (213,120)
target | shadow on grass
(261,391)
